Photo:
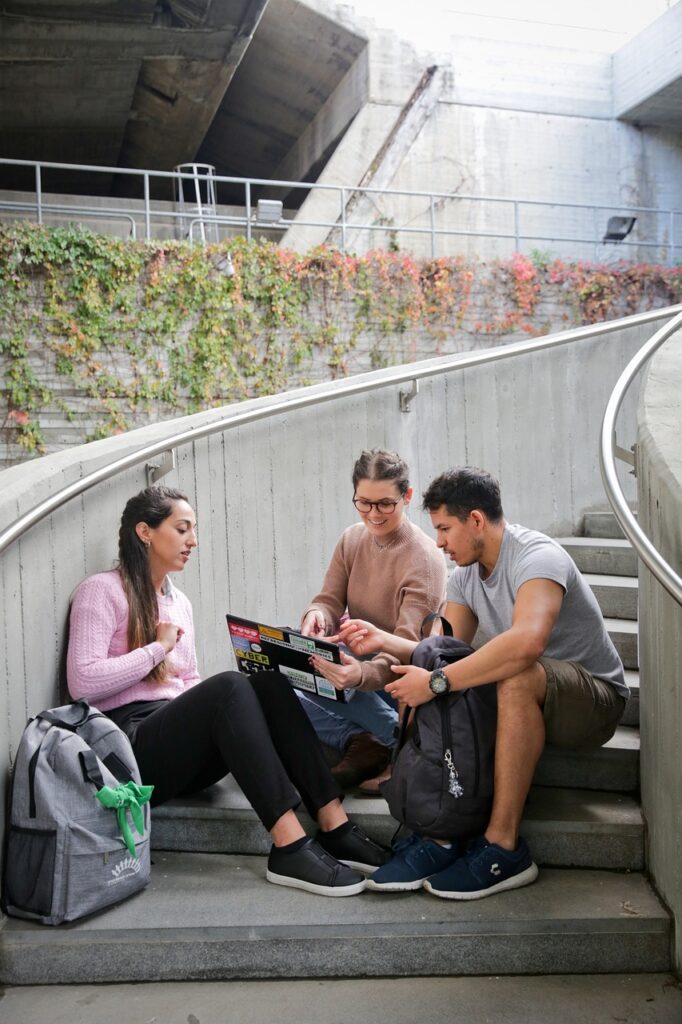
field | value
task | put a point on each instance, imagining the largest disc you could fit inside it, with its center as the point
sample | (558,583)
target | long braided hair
(150,506)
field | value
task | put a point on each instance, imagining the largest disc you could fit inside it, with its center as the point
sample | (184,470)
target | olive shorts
(581,712)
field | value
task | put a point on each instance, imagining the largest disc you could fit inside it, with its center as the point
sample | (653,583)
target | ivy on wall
(160,328)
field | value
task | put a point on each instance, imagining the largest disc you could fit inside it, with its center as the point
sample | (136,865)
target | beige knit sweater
(392,583)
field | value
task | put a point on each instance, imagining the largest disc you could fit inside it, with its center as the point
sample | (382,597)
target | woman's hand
(168,634)
(347,674)
(361,636)
(313,624)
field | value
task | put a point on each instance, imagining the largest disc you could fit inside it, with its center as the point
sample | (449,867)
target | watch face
(439,683)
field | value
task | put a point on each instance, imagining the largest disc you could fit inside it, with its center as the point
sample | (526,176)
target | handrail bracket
(160,467)
(628,455)
(407,396)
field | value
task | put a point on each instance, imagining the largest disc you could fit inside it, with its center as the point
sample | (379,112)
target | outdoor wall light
(269,211)
(225,265)
(618,228)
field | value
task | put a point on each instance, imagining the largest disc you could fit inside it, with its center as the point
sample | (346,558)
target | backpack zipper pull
(454,788)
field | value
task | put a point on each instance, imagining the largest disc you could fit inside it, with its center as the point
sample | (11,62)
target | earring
(147,544)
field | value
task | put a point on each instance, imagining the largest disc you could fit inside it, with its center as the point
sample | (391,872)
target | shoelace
(399,845)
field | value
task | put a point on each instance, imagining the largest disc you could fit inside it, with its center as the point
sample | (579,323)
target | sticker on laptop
(304,680)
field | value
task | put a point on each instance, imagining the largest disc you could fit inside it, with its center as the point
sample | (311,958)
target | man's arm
(463,621)
(537,606)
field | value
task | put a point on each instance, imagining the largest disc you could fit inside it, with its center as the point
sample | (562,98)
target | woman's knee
(226,688)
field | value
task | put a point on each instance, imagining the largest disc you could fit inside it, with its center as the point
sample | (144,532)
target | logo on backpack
(125,868)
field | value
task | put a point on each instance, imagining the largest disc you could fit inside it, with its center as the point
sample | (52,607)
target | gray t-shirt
(579,633)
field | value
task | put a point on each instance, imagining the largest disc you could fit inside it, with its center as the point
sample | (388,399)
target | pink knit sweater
(393,583)
(101,667)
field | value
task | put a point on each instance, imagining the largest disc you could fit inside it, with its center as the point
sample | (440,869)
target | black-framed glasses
(386,505)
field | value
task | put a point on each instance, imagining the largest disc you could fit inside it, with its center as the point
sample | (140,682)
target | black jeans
(251,726)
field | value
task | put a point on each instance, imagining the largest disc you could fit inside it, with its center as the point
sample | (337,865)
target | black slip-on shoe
(313,869)
(355,849)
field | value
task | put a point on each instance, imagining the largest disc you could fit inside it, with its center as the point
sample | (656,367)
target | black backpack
(442,777)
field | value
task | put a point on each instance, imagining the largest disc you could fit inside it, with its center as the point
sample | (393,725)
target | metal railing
(318,394)
(609,450)
(509,216)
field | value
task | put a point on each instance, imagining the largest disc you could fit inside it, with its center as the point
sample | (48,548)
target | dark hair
(379,464)
(150,506)
(462,490)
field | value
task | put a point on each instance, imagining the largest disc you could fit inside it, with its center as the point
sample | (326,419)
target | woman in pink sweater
(385,570)
(131,653)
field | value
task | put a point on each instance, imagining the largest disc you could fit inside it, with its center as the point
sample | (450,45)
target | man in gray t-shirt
(559,678)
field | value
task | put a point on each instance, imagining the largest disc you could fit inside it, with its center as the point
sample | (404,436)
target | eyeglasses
(386,506)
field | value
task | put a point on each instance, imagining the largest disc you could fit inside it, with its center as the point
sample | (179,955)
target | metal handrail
(317,394)
(341,223)
(652,558)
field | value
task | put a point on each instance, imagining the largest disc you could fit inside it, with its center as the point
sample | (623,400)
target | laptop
(260,648)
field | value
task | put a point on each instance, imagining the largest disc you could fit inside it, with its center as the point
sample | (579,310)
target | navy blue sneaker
(484,869)
(413,860)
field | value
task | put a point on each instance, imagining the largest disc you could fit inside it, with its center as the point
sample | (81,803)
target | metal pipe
(653,560)
(318,394)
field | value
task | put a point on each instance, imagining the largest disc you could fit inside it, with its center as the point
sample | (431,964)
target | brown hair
(150,506)
(379,464)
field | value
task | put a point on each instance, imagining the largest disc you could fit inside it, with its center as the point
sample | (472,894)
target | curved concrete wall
(272,497)
(660,618)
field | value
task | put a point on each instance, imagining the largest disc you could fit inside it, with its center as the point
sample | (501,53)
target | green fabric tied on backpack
(127,796)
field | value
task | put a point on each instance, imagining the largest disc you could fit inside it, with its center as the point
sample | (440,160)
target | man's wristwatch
(438,683)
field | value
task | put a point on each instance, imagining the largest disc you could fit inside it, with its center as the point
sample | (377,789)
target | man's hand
(412,687)
(347,674)
(361,636)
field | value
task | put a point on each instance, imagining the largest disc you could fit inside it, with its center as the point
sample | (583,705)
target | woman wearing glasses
(386,570)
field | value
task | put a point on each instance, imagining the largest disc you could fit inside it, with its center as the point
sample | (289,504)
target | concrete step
(213,916)
(616,595)
(565,827)
(602,524)
(605,557)
(591,998)
(623,632)
(614,767)
(574,999)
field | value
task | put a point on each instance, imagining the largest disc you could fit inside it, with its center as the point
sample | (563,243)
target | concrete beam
(176,101)
(295,63)
(329,124)
(155,82)
(647,74)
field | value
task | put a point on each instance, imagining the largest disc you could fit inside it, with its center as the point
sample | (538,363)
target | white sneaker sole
(395,886)
(515,882)
(320,890)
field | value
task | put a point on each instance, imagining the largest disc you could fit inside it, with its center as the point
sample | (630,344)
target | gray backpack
(69,851)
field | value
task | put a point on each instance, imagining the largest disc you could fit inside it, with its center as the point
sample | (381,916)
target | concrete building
(289,91)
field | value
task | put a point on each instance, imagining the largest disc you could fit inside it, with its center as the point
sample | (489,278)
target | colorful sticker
(303,680)
(325,688)
(274,634)
(244,631)
(302,643)
(260,659)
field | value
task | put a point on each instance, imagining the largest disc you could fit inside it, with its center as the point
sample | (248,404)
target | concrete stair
(212,916)
(209,914)
(567,827)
